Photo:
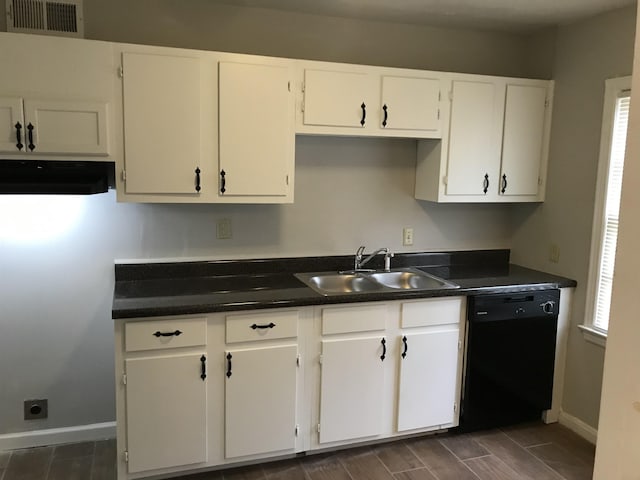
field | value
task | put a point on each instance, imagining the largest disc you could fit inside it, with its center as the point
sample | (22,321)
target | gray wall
(587,53)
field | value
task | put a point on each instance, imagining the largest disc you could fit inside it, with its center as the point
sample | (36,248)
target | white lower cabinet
(166,401)
(260,400)
(198,392)
(428,379)
(351,388)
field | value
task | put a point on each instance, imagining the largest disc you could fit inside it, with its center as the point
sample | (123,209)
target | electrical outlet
(554,253)
(407,236)
(36,409)
(223,229)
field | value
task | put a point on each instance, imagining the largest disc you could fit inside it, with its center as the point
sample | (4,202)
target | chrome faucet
(360,261)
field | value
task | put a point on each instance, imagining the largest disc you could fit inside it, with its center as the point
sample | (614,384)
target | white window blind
(609,235)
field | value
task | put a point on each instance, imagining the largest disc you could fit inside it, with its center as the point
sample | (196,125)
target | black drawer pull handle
(364,113)
(203,367)
(168,334)
(198,188)
(19,145)
(271,325)
(229,357)
(406,347)
(504,182)
(386,115)
(486,183)
(30,136)
(223,181)
(384,349)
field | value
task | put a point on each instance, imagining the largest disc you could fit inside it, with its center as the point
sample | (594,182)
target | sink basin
(332,283)
(336,283)
(410,280)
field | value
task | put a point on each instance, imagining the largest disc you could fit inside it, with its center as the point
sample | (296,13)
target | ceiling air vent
(62,18)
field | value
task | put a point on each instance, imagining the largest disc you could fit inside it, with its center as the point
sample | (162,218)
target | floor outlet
(223,229)
(407,236)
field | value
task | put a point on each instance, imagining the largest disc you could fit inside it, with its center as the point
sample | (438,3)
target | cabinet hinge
(320,359)
(455,407)
(121,71)
(297,363)
(124,378)
(539,181)
(318,428)
(123,175)
(459,344)
(297,430)
(546,102)
(126,456)
(444,180)
(289,85)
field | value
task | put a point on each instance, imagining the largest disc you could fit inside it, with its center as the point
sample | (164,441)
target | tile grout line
(458,459)
(425,465)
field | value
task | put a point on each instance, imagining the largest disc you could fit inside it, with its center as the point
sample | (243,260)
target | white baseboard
(58,436)
(576,425)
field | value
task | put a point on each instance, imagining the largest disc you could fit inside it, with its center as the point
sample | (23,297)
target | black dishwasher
(509,358)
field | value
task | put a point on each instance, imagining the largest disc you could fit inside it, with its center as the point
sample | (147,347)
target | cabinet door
(260,400)
(474,147)
(428,376)
(523,138)
(256,128)
(10,115)
(351,389)
(339,99)
(410,104)
(166,401)
(67,127)
(161,123)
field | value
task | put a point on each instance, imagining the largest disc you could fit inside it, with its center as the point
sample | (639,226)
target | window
(607,206)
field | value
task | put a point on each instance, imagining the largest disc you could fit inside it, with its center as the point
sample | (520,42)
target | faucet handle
(360,251)
(387,259)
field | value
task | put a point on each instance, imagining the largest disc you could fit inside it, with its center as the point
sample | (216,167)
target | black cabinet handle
(384,349)
(203,367)
(198,188)
(223,181)
(271,325)
(406,347)
(229,357)
(19,145)
(485,183)
(30,136)
(364,113)
(504,182)
(167,334)
(386,115)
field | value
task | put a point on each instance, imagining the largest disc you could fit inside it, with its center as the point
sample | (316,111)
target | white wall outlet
(407,236)
(223,229)
(554,253)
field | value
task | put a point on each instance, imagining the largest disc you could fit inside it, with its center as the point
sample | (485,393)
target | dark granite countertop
(180,288)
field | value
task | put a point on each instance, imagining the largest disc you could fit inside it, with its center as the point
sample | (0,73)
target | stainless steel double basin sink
(354,282)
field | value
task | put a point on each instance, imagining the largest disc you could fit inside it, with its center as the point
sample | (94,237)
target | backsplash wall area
(57,339)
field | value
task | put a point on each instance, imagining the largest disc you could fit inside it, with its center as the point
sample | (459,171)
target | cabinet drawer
(262,326)
(154,335)
(354,319)
(435,311)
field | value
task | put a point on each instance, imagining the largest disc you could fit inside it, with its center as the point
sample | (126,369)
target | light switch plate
(407,236)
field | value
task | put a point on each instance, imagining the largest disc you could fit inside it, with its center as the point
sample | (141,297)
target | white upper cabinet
(256,131)
(495,145)
(339,99)
(522,141)
(55,101)
(161,124)
(410,103)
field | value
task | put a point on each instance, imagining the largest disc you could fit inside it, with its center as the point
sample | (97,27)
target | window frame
(614,88)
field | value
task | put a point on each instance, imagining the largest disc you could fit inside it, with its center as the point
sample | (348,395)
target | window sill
(594,336)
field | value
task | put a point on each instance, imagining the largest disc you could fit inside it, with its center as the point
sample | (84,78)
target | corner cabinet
(55,102)
(497,143)
(205,127)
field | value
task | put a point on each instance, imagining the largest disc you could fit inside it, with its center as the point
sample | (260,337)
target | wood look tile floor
(524,452)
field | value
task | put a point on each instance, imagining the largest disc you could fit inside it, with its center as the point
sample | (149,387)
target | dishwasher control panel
(511,306)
